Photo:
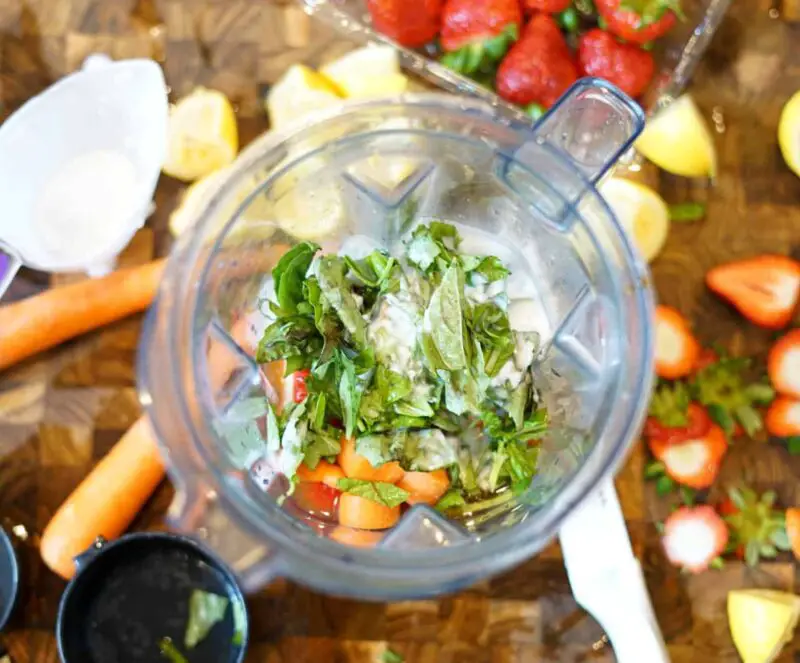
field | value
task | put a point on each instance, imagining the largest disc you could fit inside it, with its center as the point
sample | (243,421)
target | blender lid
(151,597)
(9,579)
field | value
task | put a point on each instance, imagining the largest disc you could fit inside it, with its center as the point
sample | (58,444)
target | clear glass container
(373,168)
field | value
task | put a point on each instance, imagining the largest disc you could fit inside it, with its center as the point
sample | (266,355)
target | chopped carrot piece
(324,472)
(360,538)
(357,466)
(425,487)
(361,513)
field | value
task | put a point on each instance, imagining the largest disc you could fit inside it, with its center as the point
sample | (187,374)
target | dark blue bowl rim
(11,556)
(96,551)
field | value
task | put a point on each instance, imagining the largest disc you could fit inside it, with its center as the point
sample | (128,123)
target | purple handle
(9,265)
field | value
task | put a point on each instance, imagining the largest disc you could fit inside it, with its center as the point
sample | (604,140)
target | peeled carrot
(425,487)
(361,513)
(357,466)
(45,320)
(324,472)
(106,501)
(360,538)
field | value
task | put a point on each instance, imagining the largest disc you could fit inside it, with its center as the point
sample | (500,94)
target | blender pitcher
(372,169)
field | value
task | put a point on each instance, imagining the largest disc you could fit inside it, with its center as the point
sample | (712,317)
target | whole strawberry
(627,66)
(478,33)
(538,68)
(546,6)
(410,24)
(638,21)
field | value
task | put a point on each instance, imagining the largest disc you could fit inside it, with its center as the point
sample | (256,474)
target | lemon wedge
(193,200)
(677,140)
(202,135)
(300,91)
(372,71)
(762,621)
(789,133)
(642,213)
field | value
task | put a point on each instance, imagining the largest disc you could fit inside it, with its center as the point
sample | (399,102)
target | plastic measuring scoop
(78,167)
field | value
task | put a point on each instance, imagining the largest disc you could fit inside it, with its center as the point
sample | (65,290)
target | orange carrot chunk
(425,487)
(360,538)
(106,501)
(357,466)
(324,472)
(361,513)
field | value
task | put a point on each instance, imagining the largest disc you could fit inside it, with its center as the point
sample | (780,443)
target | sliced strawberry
(300,390)
(316,499)
(757,529)
(764,289)
(783,417)
(677,349)
(783,364)
(793,530)
(546,6)
(411,24)
(705,359)
(694,537)
(695,423)
(476,34)
(693,463)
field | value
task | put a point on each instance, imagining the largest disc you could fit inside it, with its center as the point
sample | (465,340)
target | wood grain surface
(61,412)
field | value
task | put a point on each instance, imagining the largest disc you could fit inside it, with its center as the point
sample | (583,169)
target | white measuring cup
(78,167)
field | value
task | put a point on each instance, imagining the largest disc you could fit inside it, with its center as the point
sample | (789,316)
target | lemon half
(677,140)
(202,135)
(642,213)
(372,71)
(762,621)
(300,91)
(789,133)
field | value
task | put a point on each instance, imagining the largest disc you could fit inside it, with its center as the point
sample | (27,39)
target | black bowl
(130,594)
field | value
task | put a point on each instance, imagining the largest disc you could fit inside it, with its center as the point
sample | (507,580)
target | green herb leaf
(429,450)
(793,445)
(292,440)
(390,656)
(687,212)
(486,270)
(273,430)
(170,651)
(288,337)
(392,386)
(289,274)
(349,395)
(337,292)
(444,318)
(452,498)
(379,449)
(205,610)
(654,469)
(321,444)
(664,485)
(383,493)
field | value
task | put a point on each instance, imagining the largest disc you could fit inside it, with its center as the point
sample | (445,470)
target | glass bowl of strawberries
(521,55)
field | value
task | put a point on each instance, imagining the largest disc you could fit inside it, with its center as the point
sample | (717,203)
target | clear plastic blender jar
(371,169)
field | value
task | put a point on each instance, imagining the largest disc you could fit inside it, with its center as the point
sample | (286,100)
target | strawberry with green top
(757,529)
(411,24)
(638,21)
(721,387)
(476,34)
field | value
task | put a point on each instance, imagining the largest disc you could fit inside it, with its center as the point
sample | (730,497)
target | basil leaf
(205,610)
(273,430)
(381,449)
(422,251)
(491,268)
(292,441)
(349,396)
(518,403)
(321,445)
(444,319)
(289,274)
(429,450)
(336,291)
(452,498)
(392,386)
(293,337)
(386,494)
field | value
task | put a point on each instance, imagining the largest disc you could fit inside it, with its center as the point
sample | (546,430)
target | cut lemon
(194,199)
(789,133)
(677,140)
(299,91)
(762,621)
(202,135)
(642,213)
(372,71)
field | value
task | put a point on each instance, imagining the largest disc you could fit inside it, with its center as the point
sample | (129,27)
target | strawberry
(410,24)
(783,417)
(638,21)
(538,68)
(546,6)
(783,364)
(673,417)
(625,65)
(676,348)
(793,530)
(721,388)
(705,358)
(757,529)
(694,462)
(764,289)
(317,499)
(694,537)
(478,33)
(300,391)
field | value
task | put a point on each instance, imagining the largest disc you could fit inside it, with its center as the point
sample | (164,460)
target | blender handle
(9,266)
(607,579)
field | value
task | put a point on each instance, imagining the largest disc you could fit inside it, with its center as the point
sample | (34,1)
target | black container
(130,594)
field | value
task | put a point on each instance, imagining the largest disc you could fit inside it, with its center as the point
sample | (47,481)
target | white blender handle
(607,579)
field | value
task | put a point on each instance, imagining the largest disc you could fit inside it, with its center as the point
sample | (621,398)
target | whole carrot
(52,317)
(106,501)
